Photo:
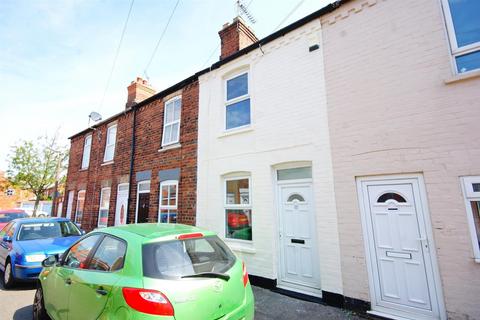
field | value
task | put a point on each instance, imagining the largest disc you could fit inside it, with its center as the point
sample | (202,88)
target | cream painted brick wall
(289,122)
(390,112)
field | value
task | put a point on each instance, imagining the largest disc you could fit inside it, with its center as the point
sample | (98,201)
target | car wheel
(39,312)
(8,280)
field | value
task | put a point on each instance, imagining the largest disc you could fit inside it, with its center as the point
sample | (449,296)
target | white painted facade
(289,128)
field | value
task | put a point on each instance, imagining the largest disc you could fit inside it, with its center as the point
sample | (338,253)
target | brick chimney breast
(234,37)
(138,91)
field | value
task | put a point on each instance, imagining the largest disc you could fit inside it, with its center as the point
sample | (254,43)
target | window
(109,255)
(294,173)
(168,201)
(80,206)
(237,106)
(186,258)
(10,192)
(78,254)
(110,147)
(472,202)
(104,206)
(238,210)
(171,121)
(463,24)
(86,151)
(47,230)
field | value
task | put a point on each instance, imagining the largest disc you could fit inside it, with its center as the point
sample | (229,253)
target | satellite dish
(95,116)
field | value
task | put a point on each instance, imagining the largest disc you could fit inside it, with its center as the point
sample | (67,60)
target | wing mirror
(82,232)
(50,261)
(7,239)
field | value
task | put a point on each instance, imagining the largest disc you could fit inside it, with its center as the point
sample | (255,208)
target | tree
(36,165)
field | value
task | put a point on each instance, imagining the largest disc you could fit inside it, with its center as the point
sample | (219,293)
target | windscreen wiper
(222,276)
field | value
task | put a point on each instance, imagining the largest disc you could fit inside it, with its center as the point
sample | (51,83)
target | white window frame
(68,213)
(100,208)
(227,206)
(456,50)
(235,100)
(110,143)
(470,196)
(172,123)
(138,195)
(160,198)
(76,207)
(86,152)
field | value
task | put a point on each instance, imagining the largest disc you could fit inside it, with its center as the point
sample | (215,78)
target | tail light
(245,274)
(190,236)
(148,301)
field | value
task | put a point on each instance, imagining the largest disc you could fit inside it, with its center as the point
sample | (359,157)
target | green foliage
(36,165)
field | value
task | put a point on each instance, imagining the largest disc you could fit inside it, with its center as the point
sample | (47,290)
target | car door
(58,285)
(91,287)
(3,245)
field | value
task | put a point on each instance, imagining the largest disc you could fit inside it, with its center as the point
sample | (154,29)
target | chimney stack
(235,36)
(138,91)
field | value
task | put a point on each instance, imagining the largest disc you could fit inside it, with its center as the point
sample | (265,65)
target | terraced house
(337,156)
(139,165)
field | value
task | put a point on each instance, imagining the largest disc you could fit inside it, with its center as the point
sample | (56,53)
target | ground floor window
(471,189)
(104,207)
(238,210)
(168,202)
(80,206)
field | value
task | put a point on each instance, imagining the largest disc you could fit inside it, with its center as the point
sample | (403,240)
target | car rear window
(46,230)
(177,258)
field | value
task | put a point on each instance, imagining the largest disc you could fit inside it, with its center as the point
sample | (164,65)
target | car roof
(12,211)
(40,220)
(155,230)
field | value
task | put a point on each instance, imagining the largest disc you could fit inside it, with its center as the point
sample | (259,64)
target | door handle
(101,291)
(68,281)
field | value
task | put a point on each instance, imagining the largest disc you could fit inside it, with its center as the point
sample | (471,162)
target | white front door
(401,264)
(122,204)
(69,205)
(299,266)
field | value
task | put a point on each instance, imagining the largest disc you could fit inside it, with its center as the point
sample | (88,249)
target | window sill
(235,131)
(83,169)
(107,163)
(240,246)
(477,260)
(463,77)
(170,147)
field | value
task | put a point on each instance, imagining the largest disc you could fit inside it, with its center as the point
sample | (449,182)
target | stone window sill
(107,163)
(170,147)
(463,77)
(83,169)
(235,131)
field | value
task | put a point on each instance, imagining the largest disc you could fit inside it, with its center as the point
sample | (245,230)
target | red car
(8,215)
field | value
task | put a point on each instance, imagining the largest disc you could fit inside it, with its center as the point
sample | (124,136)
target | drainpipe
(132,158)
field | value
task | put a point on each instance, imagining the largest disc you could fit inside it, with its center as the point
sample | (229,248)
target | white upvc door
(299,263)
(69,204)
(121,207)
(402,268)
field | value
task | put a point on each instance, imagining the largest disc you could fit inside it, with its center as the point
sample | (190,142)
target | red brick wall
(149,128)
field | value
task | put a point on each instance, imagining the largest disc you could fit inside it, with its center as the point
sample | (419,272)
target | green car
(145,271)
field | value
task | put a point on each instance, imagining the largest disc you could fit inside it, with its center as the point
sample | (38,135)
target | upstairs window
(171,121)
(168,201)
(463,24)
(237,105)
(87,146)
(110,146)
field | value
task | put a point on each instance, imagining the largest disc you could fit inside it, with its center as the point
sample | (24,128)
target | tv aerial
(242,11)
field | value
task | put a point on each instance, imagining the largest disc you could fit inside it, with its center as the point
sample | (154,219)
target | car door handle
(68,281)
(101,291)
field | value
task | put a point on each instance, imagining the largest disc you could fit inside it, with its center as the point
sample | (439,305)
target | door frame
(370,255)
(116,202)
(138,195)
(285,284)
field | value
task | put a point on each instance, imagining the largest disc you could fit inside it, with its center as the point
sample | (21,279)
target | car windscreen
(9,216)
(179,258)
(46,230)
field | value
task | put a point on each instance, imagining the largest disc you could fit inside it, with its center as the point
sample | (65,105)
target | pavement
(17,304)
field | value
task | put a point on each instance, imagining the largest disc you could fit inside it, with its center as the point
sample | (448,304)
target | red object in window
(237,220)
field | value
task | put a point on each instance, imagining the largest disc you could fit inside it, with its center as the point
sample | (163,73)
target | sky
(56,55)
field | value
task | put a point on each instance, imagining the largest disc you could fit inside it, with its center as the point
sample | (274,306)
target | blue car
(25,243)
